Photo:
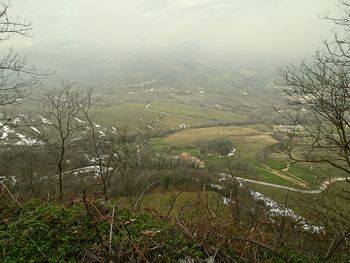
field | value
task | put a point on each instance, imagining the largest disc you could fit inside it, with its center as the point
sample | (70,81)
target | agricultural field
(254,147)
(172,116)
(197,111)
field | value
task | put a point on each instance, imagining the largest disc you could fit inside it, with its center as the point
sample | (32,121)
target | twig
(260,245)
(142,194)
(336,246)
(8,191)
(111,231)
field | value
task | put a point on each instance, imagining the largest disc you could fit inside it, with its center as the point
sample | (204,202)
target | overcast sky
(276,28)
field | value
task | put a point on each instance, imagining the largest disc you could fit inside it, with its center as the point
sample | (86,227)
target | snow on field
(45,120)
(97,125)
(23,116)
(233,150)
(27,141)
(23,139)
(4,136)
(16,121)
(276,210)
(35,129)
(79,120)
(5,131)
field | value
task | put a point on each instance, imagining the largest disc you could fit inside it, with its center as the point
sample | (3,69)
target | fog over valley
(220,30)
(185,131)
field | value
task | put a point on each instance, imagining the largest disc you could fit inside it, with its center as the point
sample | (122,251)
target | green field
(171,115)
(191,204)
(197,111)
(250,143)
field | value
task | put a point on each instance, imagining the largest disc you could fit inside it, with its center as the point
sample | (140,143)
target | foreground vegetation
(88,230)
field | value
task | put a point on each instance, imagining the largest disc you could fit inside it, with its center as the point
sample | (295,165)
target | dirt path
(322,188)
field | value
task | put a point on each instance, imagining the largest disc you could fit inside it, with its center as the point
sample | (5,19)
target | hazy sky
(276,28)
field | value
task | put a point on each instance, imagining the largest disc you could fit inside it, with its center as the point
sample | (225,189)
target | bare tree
(16,77)
(115,151)
(318,131)
(62,109)
(319,98)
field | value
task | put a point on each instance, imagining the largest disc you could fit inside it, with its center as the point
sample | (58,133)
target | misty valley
(171,153)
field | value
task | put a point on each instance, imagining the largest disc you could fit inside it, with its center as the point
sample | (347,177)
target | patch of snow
(27,141)
(45,120)
(202,92)
(79,120)
(182,125)
(215,186)
(16,121)
(226,200)
(276,210)
(6,130)
(35,129)
(4,136)
(97,125)
(233,150)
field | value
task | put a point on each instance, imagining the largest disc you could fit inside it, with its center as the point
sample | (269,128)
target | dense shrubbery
(221,146)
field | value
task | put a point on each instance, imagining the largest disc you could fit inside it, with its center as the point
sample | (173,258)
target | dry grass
(249,139)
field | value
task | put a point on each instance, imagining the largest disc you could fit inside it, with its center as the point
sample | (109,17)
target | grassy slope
(53,232)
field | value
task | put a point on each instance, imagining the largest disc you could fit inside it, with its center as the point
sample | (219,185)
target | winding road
(321,189)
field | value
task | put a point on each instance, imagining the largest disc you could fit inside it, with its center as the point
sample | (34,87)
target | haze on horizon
(269,29)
